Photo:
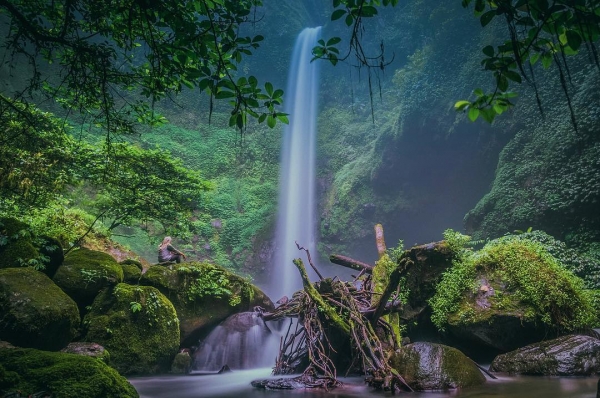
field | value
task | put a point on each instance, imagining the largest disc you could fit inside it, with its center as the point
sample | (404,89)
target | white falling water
(296,215)
(242,341)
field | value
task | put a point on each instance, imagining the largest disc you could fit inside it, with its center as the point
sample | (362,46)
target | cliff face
(418,167)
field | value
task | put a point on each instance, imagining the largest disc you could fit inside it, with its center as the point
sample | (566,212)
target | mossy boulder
(204,294)
(16,246)
(428,366)
(60,374)
(138,325)
(131,273)
(85,272)
(53,251)
(509,294)
(34,312)
(182,363)
(565,356)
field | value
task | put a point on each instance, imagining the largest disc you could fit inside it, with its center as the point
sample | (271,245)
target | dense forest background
(392,150)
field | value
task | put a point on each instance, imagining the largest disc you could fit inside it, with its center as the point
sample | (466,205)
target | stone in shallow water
(429,366)
(571,355)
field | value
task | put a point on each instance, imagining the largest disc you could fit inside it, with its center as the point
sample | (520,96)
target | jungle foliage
(539,31)
(111,61)
(41,165)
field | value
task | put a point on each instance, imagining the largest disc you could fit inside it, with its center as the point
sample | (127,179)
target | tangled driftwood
(339,322)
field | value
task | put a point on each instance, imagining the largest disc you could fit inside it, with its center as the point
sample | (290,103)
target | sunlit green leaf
(460,105)
(473,114)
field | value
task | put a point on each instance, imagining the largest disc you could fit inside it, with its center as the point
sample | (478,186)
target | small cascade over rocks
(239,342)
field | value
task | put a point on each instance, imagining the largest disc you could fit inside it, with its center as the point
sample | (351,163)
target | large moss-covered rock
(85,272)
(138,325)
(132,271)
(204,294)
(34,312)
(19,247)
(509,294)
(60,374)
(565,356)
(428,366)
(16,246)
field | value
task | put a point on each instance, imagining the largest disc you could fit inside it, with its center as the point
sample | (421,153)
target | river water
(237,385)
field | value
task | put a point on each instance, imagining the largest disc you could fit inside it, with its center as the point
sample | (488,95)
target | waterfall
(296,214)
(242,341)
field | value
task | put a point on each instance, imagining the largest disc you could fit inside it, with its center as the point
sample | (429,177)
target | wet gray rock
(428,366)
(572,355)
(93,350)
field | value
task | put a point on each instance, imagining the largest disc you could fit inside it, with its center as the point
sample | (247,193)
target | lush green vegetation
(524,275)
(111,64)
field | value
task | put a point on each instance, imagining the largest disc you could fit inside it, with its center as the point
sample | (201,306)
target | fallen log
(317,298)
(350,263)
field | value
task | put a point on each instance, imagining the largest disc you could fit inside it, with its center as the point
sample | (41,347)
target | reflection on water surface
(237,385)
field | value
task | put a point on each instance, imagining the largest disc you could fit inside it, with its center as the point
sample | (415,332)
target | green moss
(11,226)
(63,375)
(548,177)
(182,363)
(19,253)
(16,247)
(34,311)
(85,272)
(131,273)
(138,325)
(527,281)
(456,364)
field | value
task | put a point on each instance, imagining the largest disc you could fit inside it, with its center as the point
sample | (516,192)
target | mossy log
(321,303)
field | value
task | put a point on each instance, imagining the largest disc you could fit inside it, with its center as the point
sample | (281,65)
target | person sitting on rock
(166,252)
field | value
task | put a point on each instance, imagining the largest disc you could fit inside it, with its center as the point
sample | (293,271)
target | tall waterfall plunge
(296,216)
(243,341)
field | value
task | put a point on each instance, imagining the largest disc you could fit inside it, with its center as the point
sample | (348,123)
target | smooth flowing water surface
(237,385)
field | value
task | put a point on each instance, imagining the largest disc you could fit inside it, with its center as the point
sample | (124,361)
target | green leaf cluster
(114,62)
(539,31)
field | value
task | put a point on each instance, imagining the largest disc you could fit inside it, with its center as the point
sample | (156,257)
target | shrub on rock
(509,294)
(139,327)
(34,312)
(60,374)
